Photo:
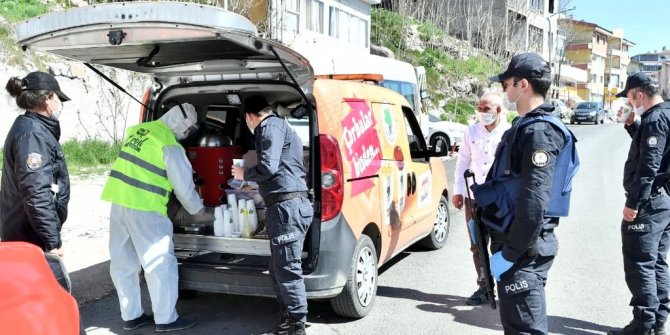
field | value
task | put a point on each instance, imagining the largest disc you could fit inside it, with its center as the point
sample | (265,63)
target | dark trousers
(287,225)
(523,308)
(645,247)
(473,248)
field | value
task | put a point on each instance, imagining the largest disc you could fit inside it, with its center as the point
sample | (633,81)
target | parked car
(446,132)
(377,188)
(561,111)
(589,111)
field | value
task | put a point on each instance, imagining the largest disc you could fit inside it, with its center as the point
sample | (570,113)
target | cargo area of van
(201,245)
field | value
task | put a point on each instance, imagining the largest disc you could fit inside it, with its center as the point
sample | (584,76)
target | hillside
(456,73)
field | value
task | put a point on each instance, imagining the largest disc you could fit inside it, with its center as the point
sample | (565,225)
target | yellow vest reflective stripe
(138,179)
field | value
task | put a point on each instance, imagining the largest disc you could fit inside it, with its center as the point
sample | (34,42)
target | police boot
(630,329)
(284,325)
(297,328)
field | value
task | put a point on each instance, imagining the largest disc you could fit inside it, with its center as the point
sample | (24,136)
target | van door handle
(413,182)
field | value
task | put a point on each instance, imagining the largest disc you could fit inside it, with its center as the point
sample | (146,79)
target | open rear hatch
(171,41)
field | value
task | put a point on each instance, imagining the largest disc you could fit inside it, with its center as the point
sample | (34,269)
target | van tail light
(332,178)
(145,102)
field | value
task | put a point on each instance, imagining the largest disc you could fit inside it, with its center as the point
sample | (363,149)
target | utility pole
(551,36)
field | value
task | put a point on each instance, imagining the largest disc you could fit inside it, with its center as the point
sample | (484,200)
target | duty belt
(272,199)
(661,190)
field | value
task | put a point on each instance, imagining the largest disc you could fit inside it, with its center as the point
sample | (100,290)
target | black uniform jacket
(35,185)
(647,168)
(534,153)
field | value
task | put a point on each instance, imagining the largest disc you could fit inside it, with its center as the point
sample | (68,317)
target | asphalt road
(423,292)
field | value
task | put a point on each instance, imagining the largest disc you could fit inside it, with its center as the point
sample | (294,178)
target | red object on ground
(31,300)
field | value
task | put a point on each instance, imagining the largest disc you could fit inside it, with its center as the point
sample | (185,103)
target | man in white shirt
(476,153)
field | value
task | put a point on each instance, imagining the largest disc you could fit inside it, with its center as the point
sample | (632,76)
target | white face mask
(639,110)
(56,114)
(486,118)
(509,105)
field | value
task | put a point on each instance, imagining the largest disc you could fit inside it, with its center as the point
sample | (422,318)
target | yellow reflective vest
(138,179)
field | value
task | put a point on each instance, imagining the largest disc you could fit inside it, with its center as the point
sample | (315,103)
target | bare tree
(113,105)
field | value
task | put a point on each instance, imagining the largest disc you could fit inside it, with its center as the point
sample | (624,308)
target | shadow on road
(483,316)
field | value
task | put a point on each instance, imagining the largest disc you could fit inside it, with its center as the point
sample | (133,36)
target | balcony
(614,52)
(572,74)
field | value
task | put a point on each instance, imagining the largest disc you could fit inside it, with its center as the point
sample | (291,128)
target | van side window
(417,144)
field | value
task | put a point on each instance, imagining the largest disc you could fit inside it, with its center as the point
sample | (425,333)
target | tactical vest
(499,194)
(138,179)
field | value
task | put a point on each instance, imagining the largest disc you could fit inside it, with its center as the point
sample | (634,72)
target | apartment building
(652,62)
(616,64)
(511,26)
(318,29)
(602,53)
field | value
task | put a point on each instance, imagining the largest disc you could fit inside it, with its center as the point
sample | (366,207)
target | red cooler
(212,165)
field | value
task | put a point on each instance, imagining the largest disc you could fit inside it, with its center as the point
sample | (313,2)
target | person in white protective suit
(151,165)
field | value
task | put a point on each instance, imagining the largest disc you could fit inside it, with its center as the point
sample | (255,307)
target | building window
(334,23)
(315,15)
(647,58)
(601,79)
(344,26)
(535,42)
(537,6)
(650,68)
(292,16)
(594,77)
(612,80)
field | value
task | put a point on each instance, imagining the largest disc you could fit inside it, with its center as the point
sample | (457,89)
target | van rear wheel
(359,292)
(438,236)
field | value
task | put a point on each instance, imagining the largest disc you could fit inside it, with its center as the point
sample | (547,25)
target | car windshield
(587,105)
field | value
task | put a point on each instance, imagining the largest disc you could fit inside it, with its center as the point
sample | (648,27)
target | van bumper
(337,244)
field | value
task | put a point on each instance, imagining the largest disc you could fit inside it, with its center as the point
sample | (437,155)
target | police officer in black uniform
(280,174)
(645,229)
(525,193)
(35,186)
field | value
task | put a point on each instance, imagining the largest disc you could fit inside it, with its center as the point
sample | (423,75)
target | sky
(645,22)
